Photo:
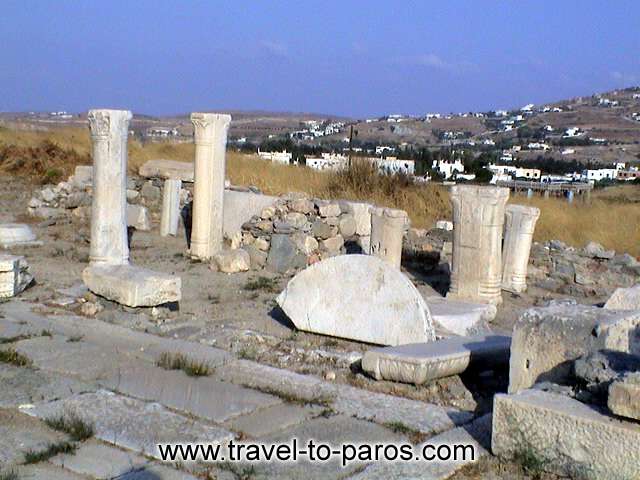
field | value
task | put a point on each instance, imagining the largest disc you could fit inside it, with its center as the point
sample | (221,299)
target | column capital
(103,122)
(205,125)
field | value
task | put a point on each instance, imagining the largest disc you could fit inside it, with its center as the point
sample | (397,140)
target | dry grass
(612,218)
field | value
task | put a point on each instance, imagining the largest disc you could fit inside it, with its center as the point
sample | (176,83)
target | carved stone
(476,266)
(387,229)
(170,207)
(210,134)
(520,222)
(109,131)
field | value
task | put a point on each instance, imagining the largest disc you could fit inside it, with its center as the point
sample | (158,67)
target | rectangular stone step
(418,363)
(130,423)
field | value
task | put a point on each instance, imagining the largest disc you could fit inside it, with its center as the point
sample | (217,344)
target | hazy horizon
(355,59)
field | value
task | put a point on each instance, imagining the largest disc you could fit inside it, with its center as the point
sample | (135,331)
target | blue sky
(355,58)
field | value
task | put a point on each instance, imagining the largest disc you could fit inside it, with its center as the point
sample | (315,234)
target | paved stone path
(106,375)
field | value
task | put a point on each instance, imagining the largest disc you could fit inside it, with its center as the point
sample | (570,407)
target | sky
(346,57)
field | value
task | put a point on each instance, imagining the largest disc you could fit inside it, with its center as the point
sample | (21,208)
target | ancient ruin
(476,266)
(387,230)
(520,222)
(170,207)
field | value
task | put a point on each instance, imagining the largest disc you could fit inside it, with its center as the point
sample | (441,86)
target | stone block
(168,169)
(418,363)
(138,217)
(17,234)
(132,286)
(624,299)
(233,261)
(83,176)
(239,207)
(283,255)
(547,340)
(347,225)
(567,437)
(357,297)
(624,396)
(387,231)
(362,215)
(460,318)
(305,243)
(14,275)
(444,225)
(326,209)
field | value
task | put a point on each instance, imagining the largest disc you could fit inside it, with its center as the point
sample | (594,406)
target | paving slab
(426,418)
(132,286)
(336,430)
(100,461)
(460,318)
(273,419)
(22,386)
(46,471)
(160,472)
(131,423)
(477,434)
(20,433)
(359,297)
(418,363)
(202,397)
(569,438)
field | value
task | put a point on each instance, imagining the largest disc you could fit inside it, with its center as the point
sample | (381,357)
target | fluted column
(210,134)
(109,132)
(476,266)
(387,230)
(520,223)
(170,207)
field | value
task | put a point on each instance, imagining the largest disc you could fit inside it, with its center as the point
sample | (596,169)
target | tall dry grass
(612,218)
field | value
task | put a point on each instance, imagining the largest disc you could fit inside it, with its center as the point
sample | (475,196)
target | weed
(17,338)
(240,472)
(178,361)
(398,427)
(291,397)
(53,449)
(531,463)
(247,352)
(45,333)
(74,338)
(265,284)
(11,356)
(77,429)
(10,475)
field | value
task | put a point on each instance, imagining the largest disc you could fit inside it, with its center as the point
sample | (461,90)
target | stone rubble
(14,275)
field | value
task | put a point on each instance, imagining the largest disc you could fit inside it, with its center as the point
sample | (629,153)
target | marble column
(170,207)
(210,134)
(476,266)
(109,132)
(520,222)
(387,230)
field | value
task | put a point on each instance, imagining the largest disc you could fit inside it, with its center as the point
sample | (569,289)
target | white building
(283,157)
(381,149)
(572,132)
(538,146)
(448,169)
(593,176)
(509,172)
(568,151)
(320,163)
(393,165)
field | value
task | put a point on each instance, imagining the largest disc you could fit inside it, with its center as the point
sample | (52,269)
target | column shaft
(520,223)
(170,207)
(387,230)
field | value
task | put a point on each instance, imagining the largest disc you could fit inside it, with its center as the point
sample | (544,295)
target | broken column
(478,218)
(109,133)
(210,134)
(170,207)
(109,273)
(387,229)
(520,222)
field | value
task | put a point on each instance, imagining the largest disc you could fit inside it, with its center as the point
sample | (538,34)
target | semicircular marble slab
(358,297)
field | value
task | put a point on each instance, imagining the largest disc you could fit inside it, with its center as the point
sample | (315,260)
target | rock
(333,245)
(461,318)
(138,217)
(305,243)
(301,205)
(321,230)
(295,219)
(280,226)
(168,169)
(48,195)
(357,297)
(14,275)
(547,340)
(83,176)
(347,225)
(77,199)
(329,209)
(419,363)
(34,203)
(132,194)
(240,207)
(268,213)
(261,243)
(564,436)
(595,250)
(150,191)
(233,261)
(596,370)
(624,396)
(258,258)
(16,234)
(624,299)
(362,215)
(265,226)
(283,255)
(48,213)
(90,309)
(444,225)
(132,286)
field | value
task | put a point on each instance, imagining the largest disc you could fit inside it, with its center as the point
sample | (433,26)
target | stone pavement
(107,377)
